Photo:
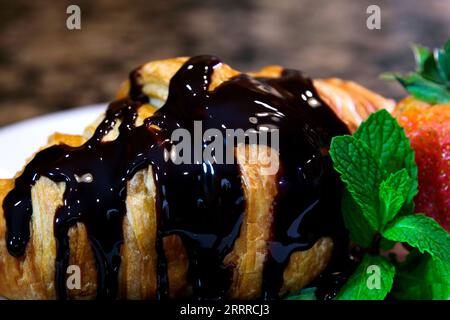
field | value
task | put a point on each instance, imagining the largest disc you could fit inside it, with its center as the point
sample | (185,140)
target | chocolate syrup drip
(203,202)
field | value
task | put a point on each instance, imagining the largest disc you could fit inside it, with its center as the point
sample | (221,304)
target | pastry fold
(32,276)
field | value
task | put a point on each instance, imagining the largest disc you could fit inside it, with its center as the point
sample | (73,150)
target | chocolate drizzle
(202,203)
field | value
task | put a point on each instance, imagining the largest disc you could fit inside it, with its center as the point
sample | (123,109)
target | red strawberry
(428,128)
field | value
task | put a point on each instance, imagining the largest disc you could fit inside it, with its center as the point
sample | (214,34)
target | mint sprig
(388,143)
(304,294)
(372,280)
(361,172)
(360,231)
(380,174)
(394,192)
(421,277)
(423,233)
(431,80)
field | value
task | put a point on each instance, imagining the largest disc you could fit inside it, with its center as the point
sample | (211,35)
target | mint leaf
(362,174)
(423,233)
(393,194)
(360,231)
(421,277)
(372,280)
(304,294)
(386,244)
(388,142)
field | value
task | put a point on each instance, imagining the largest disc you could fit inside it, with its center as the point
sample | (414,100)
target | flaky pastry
(32,275)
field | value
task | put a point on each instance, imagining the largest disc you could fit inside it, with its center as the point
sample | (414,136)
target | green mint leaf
(360,231)
(304,294)
(393,194)
(421,277)
(362,174)
(372,280)
(388,142)
(423,233)
(386,244)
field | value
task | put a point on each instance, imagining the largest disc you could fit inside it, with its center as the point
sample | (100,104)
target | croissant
(140,227)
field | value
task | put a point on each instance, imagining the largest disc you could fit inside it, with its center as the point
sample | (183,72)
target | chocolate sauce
(203,203)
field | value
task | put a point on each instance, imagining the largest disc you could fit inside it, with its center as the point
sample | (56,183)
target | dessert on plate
(140,226)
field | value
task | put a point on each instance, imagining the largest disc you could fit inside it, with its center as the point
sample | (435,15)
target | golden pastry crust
(32,276)
(305,266)
(350,101)
(250,249)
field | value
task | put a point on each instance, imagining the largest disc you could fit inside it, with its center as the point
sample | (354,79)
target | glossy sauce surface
(203,203)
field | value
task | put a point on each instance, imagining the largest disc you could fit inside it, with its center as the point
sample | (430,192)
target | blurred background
(45,67)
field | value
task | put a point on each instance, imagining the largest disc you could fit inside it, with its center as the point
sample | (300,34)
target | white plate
(19,141)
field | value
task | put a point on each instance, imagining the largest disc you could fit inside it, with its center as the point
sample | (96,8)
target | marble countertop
(45,67)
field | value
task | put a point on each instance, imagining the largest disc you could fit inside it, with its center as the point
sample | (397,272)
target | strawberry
(425,116)
(428,128)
